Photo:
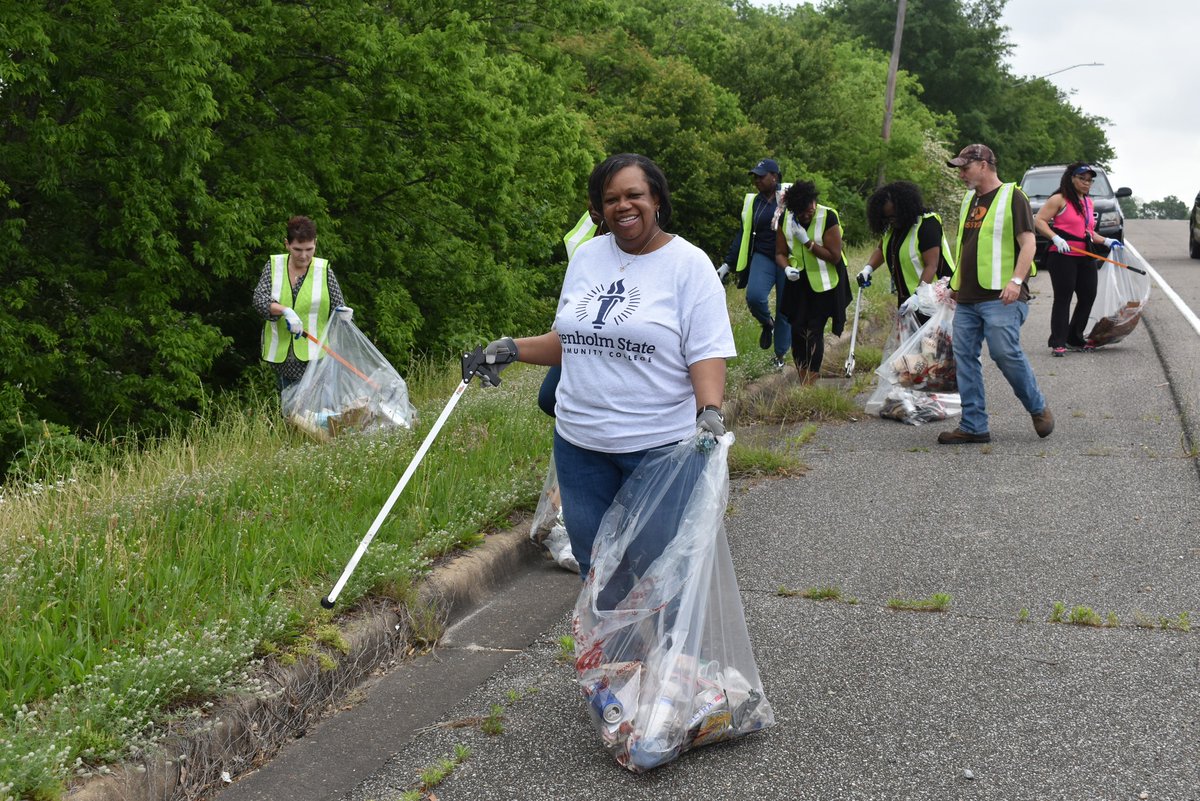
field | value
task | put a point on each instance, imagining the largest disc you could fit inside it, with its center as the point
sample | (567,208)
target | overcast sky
(1148,87)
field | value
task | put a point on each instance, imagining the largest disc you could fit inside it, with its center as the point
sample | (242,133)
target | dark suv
(1194,230)
(1041,181)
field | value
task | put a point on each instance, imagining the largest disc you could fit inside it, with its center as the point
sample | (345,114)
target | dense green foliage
(152,152)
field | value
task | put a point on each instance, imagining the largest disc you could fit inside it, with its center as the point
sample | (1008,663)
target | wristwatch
(1016,280)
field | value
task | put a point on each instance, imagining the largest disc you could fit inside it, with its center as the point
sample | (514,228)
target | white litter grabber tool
(473,364)
(854,334)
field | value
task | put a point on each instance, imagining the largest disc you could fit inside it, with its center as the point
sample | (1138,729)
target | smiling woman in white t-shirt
(642,334)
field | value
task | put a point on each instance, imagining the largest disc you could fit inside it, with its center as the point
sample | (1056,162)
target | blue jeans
(589,482)
(765,275)
(1000,325)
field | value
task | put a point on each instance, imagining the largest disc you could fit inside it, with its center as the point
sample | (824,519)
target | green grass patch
(938,602)
(749,461)
(146,583)
(826,593)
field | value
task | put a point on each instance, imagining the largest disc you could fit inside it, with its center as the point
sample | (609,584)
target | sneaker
(1043,422)
(778,363)
(1058,351)
(960,437)
(1089,346)
(764,339)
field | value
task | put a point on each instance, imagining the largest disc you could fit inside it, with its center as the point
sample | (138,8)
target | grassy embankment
(137,591)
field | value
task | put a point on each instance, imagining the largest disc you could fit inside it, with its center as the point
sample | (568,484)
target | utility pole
(890,100)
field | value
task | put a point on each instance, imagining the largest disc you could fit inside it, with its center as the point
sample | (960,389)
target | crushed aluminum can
(607,706)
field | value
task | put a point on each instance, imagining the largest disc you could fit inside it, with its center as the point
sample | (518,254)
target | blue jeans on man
(1000,325)
(765,275)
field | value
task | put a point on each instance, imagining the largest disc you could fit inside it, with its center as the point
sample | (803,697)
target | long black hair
(905,197)
(655,177)
(1066,187)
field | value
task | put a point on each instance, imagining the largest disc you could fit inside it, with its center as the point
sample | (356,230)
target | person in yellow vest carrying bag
(751,258)
(994,258)
(296,293)
(808,251)
(912,245)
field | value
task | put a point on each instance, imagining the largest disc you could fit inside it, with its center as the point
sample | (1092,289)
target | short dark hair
(799,196)
(606,169)
(301,229)
(905,196)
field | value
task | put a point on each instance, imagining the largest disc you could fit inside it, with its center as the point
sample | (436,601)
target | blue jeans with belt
(1000,325)
(765,275)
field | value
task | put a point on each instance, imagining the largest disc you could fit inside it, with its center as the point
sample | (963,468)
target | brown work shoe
(960,437)
(1043,422)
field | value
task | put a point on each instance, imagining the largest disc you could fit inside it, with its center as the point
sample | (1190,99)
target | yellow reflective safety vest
(584,230)
(822,276)
(996,250)
(312,304)
(747,223)
(911,262)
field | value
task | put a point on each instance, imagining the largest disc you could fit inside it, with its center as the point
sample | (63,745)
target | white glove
(1113,243)
(864,278)
(792,273)
(909,305)
(346,313)
(295,327)
(1060,243)
(926,301)
(800,232)
(723,272)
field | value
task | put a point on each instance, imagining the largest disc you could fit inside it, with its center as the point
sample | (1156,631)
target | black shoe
(960,437)
(764,339)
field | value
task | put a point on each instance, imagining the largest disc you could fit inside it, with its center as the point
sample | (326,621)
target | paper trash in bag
(1121,297)
(918,380)
(663,657)
(349,387)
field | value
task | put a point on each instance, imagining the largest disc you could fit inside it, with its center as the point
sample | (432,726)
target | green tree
(1169,208)
(153,152)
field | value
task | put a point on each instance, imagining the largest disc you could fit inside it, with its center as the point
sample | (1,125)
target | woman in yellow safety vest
(912,245)
(295,295)
(808,248)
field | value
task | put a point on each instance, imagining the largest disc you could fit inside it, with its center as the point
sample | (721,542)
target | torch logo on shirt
(603,305)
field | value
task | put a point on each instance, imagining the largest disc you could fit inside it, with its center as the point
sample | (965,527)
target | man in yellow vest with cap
(994,259)
(295,294)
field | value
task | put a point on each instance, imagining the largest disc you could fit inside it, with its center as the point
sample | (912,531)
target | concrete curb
(237,732)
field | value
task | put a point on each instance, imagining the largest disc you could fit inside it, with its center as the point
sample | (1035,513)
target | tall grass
(147,585)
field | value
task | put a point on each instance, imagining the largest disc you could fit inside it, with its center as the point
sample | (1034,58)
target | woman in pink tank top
(1068,221)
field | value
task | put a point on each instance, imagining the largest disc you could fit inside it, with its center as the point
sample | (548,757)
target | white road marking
(1187,313)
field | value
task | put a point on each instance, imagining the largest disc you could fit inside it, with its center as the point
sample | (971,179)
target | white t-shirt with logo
(628,339)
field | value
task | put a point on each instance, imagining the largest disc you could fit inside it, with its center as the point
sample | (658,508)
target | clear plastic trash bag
(1121,297)
(548,529)
(924,361)
(663,657)
(894,401)
(349,387)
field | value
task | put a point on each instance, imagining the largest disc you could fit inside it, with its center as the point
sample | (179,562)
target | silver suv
(1041,181)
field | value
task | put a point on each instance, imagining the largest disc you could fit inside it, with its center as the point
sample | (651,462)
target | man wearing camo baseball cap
(994,258)
(973,153)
